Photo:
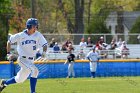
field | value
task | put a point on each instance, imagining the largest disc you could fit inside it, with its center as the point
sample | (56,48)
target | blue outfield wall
(59,70)
(5,70)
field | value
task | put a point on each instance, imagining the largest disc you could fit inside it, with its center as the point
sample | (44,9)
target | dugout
(57,69)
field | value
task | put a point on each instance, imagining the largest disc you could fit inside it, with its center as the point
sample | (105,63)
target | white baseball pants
(93,66)
(71,69)
(27,68)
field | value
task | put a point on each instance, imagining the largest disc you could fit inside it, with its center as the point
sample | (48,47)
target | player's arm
(88,56)
(12,39)
(9,55)
(8,48)
(43,42)
(66,62)
(44,51)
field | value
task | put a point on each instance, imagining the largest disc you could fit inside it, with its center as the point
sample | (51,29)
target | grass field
(80,85)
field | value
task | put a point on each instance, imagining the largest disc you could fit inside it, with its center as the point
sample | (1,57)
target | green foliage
(136,26)
(52,19)
(3,39)
(135,29)
(3,48)
(5,9)
(97,26)
(101,10)
(5,6)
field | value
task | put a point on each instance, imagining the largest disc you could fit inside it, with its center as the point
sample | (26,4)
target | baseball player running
(28,41)
(93,57)
(70,60)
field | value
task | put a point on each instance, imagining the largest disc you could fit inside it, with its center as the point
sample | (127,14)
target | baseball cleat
(2,86)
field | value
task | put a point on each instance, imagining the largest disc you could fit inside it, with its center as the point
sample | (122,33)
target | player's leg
(2,85)
(72,66)
(93,66)
(92,70)
(33,78)
(24,72)
(20,77)
(69,70)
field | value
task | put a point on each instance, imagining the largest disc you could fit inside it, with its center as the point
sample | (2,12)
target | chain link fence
(76,38)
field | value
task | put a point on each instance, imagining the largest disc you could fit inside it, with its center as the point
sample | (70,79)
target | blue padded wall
(59,70)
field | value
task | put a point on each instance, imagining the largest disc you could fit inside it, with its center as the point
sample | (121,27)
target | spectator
(101,40)
(81,55)
(89,42)
(125,52)
(101,45)
(64,48)
(98,46)
(83,44)
(138,38)
(68,42)
(113,45)
(123,44)
(119,43)
(56,48)
(70,47)
(52,43)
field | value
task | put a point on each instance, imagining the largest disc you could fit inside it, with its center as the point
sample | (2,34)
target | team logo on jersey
(28,42)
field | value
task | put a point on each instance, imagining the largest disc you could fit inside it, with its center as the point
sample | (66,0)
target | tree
(20,14)
(97,24)
(79,12)
(70,26)
(4,28)
(89,11)
(135,29)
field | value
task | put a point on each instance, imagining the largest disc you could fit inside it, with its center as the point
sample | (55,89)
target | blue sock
(33,84)
(93,74)
(10,81)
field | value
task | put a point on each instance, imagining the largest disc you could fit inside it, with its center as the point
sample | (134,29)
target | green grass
(80,85)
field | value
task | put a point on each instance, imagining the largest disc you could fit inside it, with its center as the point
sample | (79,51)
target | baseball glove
(11,57)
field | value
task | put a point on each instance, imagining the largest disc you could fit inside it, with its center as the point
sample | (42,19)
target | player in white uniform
(93,57)
(28,41)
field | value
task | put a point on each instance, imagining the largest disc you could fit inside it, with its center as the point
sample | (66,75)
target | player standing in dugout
(93,57)
(70,60)
(28,41)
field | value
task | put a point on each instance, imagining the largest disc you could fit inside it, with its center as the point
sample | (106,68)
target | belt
(71,61)
(31,58)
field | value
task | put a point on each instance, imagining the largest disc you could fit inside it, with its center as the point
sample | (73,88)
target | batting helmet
(31,22)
